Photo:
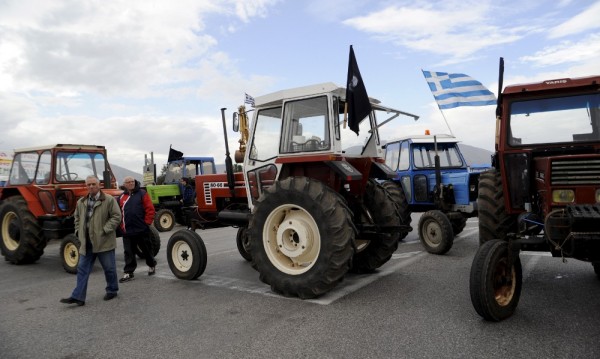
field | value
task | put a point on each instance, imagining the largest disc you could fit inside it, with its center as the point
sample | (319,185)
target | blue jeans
(85,266)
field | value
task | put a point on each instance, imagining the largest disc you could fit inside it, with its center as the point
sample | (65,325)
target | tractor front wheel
(301,237)
(164,220)
(186,254)
(22,238)
(154,240)
(382,210)
(242,243)
(495,284)
(69,250)
(397,193)
(435,232)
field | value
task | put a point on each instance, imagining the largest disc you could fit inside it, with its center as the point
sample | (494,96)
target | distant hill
(121,173)
(475,156)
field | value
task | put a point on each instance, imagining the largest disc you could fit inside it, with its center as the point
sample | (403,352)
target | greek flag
(454,90)
(249,100)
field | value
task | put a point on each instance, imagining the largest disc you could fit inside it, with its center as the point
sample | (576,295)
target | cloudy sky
(140,75)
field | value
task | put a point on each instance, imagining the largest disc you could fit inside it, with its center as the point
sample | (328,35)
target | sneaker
(126,277)
(71,300)
(151,270)
(110,296)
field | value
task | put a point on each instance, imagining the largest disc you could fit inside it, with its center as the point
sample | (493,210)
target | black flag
(174,154)
(357,99)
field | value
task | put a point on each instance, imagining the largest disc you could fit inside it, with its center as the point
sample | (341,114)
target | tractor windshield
(424,155)
(555,120)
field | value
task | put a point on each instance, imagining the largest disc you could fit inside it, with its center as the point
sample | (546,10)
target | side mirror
(236,122)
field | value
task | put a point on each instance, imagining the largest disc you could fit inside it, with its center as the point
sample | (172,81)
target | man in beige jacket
(97,216)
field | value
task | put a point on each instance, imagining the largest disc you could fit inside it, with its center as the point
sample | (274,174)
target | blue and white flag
(454,90)
(249,100)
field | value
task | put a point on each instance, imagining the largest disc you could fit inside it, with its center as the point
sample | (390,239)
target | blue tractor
(433,178)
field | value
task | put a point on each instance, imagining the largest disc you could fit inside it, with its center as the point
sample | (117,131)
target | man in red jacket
(138,214)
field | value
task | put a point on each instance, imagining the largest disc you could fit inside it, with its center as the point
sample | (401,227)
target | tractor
(543,191)
(167,196)
(308,208)
(435,179)
(39,199)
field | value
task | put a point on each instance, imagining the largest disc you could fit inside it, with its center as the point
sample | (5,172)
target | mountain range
(474,156)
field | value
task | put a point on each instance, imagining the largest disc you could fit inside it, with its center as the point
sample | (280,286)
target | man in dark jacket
(138,215)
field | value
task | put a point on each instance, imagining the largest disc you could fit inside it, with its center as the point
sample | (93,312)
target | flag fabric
(357,99)
(454,90)
(249,100)
(174,154)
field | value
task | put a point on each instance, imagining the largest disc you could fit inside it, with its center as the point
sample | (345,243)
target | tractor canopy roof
(278,97)
(441,138)
(62,146)
(556,84)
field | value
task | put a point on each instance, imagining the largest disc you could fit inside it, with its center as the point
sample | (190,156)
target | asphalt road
(416,306)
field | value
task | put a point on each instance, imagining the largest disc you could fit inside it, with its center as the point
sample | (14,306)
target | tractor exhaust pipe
(228,162)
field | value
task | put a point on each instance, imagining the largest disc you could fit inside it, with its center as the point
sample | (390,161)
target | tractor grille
(584,172)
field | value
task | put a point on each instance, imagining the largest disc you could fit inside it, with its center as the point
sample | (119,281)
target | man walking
(97,216)
(138,214)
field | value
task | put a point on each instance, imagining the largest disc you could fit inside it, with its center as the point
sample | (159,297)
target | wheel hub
(294,236)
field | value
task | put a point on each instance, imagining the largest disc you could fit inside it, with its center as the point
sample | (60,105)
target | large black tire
(458,224)
(154,239)
(186,254)
(435,232)
(22,239)
(494,222)
(164,220)
(301,236)
(397,192)
(596,266)
(69,252)
(495,288)
(242,241)
(378,249)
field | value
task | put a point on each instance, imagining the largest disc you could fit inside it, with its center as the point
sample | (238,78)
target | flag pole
(451,134)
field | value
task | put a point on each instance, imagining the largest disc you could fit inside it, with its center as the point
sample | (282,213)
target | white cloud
(585,50)
(584,21)
(458,29)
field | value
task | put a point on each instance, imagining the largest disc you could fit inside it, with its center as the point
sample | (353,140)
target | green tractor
(167,196)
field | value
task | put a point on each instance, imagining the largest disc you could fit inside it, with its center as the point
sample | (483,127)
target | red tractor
(543,193)
(39,199)
(309,209)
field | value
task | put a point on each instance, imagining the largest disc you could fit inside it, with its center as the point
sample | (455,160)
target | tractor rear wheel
(186,254)
(69,250)
(154,239)
(435,232)
(242,243)
(596,266)
(164,220)
(495,285)
(23,240)
(458,224)
(397,192)
(494,222)
(378,249)
(301,236)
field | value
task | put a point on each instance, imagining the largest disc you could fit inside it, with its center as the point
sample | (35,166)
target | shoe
(126,277)
(110,296)
(151,270)
(72,301)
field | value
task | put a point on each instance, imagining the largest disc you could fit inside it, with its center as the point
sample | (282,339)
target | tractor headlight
(598,196)
(564,196)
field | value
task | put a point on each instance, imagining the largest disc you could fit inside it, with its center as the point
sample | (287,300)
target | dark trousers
(141,241)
